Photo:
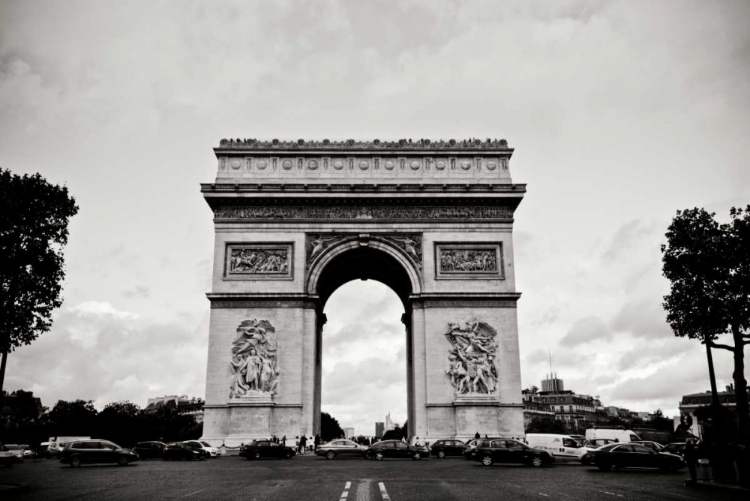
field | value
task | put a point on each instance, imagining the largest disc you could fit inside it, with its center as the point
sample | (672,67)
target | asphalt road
(311,478)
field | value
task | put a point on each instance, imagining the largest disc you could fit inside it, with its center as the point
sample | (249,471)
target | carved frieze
(471,358)
(468,260)
(364,212)
(350,144)
(254,364)
(258,261)
(410,244)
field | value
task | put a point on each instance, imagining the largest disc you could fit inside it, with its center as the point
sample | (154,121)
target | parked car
(617,456)
(445,448)
(266,449)
(7,457)
(96,451)
(15,449)
(341,448)
(213,451)
(654,446)
(677,448)
(471,446)
(146,450)
(394,449)
(563,447)
(178,451)
(506,450)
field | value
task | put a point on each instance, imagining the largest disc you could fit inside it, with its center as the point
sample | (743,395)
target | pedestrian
(302,444)
(477,436)
(417,443)
(317,441)
(283,440)
(690,459)
(223,448)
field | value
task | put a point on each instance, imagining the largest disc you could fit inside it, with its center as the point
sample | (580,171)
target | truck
(615,434)
(562,447)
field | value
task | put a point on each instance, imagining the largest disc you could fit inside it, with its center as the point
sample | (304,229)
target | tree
(545,425)
(120,422)
(34,218)
(397,433)
(76,418)
(329,427)
(708,265)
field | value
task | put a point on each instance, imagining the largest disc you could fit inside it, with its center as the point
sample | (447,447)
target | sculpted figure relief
(253,261)
(471,358)
(468,260)
(254,359)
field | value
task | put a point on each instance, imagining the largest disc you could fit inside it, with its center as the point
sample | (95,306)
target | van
(562,447)
(615,434)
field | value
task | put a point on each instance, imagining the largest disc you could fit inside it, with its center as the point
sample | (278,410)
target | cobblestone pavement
(312,478)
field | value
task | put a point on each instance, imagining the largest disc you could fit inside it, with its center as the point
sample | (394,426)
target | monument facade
(296,220)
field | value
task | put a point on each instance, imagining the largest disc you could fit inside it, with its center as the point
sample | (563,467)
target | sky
(620,113)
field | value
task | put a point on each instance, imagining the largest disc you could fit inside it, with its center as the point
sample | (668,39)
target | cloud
(586,330)
(139,291)
(96,352)
(642,318)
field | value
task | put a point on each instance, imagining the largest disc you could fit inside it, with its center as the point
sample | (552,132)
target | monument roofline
(470,145)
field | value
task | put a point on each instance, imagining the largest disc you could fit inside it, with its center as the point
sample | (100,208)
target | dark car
(654,446)
(266,449)
(444,448)
(506,450)
(178,451)
(96,451)
(146,450)
(341,448)
(677,448)
(394,449)
(617,456)
(470,449)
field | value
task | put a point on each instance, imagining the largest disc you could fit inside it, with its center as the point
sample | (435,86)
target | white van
(618,435)
(563,447)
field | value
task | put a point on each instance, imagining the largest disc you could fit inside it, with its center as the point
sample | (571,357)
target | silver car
(341,448)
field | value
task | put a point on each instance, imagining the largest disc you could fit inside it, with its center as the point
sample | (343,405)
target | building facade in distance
(379,429)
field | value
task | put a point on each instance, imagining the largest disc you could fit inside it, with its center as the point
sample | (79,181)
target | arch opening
(363,263)
(364,363)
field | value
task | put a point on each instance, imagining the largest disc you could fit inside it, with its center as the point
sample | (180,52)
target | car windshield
(205,444)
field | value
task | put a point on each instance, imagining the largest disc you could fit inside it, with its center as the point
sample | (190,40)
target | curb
(14,488)
(714,486)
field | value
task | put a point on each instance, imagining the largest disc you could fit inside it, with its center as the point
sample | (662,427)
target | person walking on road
(317,442)
(690,459)
(302,444)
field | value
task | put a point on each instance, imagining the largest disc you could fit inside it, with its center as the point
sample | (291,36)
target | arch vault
(295,220)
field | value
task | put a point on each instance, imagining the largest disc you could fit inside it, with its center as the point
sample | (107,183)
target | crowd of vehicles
(607,449)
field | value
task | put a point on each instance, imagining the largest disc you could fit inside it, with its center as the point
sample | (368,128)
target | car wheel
(287,455)
(123,461)
(379,456)
(75,462)
(368,454)
(603,467)
(614,467)
(330,455)
(441,454)
(256,455)
(537,461)
(487,460)
(417,456)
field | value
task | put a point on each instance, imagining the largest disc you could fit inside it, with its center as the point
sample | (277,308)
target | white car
(214,451)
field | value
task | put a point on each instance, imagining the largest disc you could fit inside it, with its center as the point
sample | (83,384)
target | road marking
(543,494)
(384,492)
(192,493)
(612,494)
(345,494)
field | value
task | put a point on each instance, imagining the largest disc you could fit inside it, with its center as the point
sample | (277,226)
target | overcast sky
(620,113)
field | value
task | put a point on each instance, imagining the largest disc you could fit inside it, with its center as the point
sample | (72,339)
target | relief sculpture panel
(254,365)
(461,261)
(471,359)
(259,261)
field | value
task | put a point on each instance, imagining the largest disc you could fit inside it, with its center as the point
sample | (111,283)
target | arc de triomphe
(296,220)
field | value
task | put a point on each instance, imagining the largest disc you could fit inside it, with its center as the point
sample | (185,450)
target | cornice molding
(471,144)
(241,186)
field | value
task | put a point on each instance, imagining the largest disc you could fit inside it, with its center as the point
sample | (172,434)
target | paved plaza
(312,478)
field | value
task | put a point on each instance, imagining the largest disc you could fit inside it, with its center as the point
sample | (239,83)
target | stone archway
(294,221)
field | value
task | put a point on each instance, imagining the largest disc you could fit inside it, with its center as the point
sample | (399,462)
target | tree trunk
(740,386)
(712,376)
(2,375)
